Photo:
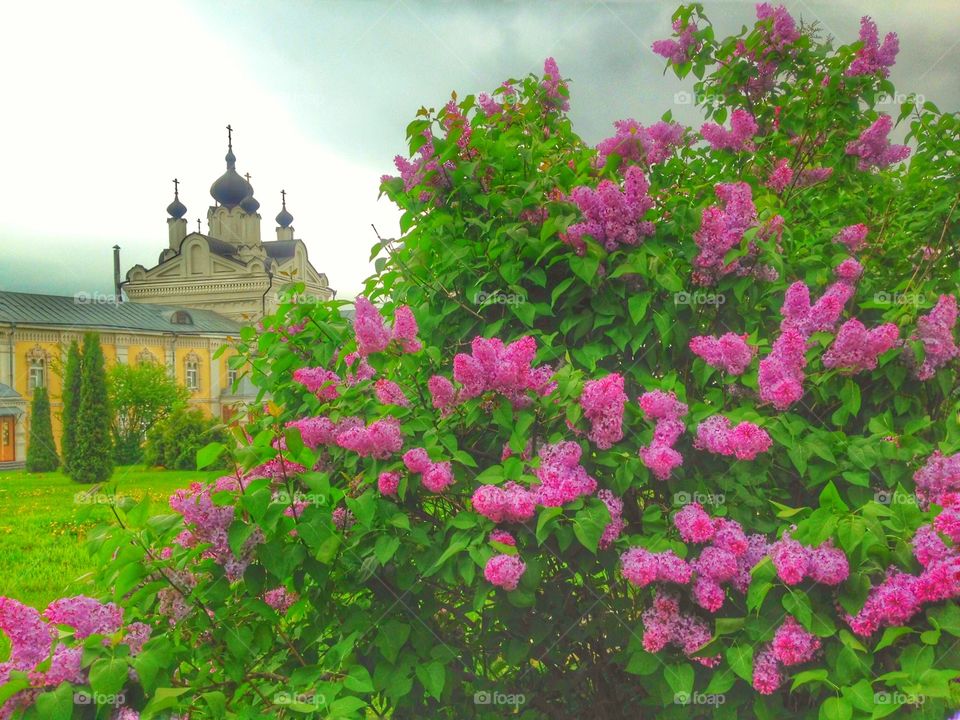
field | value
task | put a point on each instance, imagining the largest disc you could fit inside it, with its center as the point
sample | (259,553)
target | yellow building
(36,331)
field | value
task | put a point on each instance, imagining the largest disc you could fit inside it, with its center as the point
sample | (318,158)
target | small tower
(176,225)
(284,220)
(234,218)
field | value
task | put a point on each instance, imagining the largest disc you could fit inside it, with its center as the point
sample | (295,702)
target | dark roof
(280,249)
(100,312)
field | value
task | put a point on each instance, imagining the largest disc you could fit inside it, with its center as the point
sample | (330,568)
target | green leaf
(385,548)
(393,634)
(432,677)
(108,675)
(589,524)
(56,705)
(740,658)
(217,702)
(679,678)
(835,708)
(208,455)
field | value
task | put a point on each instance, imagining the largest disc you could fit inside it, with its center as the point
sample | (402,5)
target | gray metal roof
(96,312)
(7,392)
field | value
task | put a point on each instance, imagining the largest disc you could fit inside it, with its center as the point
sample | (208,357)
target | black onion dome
(230,189)
(284,218)
(249,204)
(176,209)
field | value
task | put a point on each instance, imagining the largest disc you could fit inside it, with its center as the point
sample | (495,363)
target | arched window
(181,317)
(192,371)
(38,361)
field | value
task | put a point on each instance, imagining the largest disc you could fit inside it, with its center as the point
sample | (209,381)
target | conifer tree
(92,460)
(71,403)
(42,453)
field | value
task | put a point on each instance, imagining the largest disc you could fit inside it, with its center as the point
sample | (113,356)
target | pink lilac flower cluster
(935,331)
(683,48)
(722,228)
(853,236)
(388,483)
(645,146)
(603,401)
(781,176)
(436,476)
(280,599)
(503,537)
(455,121)
(792,645)
(372,333)
(873,57)
(553,85)
(616,525)
(794,562)
(874,149)
(504,369)
(389,393)
(208,524)
(343,519)
(856,349)
(782,31)
(781,373)
(380,439)
(613,217)
(744,441)
(425,170)
(364,370)
(489,106)
(939,476)
(659,456)
(510,503)
(504,571)
(729,557)
(442,393)
(642,567)
(813,176)
(849,271)
(739,137)
(664,624)
(34,638)
(561,477)
(317,431)
(729,352)
(822,316)
(320,381)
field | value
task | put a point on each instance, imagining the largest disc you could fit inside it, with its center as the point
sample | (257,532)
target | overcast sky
(107,102)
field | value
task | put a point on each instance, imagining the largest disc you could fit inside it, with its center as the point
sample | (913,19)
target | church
(203,289)
(230,270)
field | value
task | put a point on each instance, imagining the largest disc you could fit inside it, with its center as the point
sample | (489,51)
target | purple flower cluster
(603,401)
(555,89)
(504,571)
(781,176)
(794,562)
(373,335)
(645,146)
(442,393)
(874,149)
(855,348)
(664,624)
(792,645)
(389,393)
(664,408)
(388,483)
(739,137)
(683,48)
(642,567)
(872,57)
(562,479)
(320,381)
(744,441)
(616,525)
(822,316)
(853,236)
(729,352)
(424,170)
(939,475)
(782,31)
(504,369)
(436,476)
(380,439)
(510,503)
(613,217)
(781,373)
(208,523)
(935,331)
(722,228)
(280,599)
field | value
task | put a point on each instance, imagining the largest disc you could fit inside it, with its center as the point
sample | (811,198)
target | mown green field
(43,552)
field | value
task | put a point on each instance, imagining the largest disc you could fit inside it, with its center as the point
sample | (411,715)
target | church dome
(284,218)
(230,188)
(176,209)
(249,204)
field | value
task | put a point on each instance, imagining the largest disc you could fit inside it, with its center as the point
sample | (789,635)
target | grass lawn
(43,555)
